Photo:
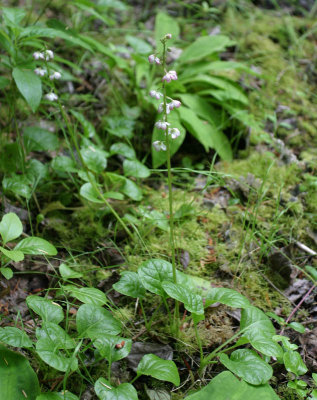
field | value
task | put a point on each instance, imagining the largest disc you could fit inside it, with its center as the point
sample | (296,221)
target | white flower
(49,55)
(174,104)
(157,95)
(174,132)
(170,76)
(38,55)
(40,71)
(157,60)
(151,58)
(162,125)
(158,145)
(55,75)
(51,96)
(161,108)
(168,36)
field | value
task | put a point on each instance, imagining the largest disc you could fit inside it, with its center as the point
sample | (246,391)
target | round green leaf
(88,192)
(87,295)
(164,370)
(192,302)
(293,363)
(14,337)
(6,272)
(53,358)
(17,184)
(56,334)
(297,327)
(123,149)
(94,321)
(14,255)
(10,227)
(226,296)
(135,168)
(248,365)
(18,380)
(46,309)
(108,347)
(35,246)
(39,139)
(69,273)
(29,85)
(153,272)
(94,158)
(130,285)
(105,391)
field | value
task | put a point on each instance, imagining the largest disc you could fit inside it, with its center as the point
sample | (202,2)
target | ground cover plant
(158,200)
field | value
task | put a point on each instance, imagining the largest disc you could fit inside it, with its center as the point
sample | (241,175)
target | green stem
(170,196)
(144,316)
(199,343)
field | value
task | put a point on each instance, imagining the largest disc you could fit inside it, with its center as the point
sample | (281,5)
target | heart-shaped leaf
(39,139)
(14,337)
(36,246)
(18,380)
(53,357)
(46,309)
(164,370)
(248,365)
(113,348)
(226,296)
(192,302)
(10,227)
(87,295)
(105,391)
(135,168)
(130,285)
(153,272)
(56,334)
(94,321)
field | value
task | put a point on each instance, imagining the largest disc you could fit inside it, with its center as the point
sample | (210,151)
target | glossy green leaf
(57,396)
(29,85)
(135,168)
(123,149)
(36,246)
(88,192)
(39,139)
(226,296)
(14,337)
(10,227)
(130,285)
(206,133)
(87,295)
(46,309)
(56,334)
(164,24)
(285,342)
(13,255)
(18,184)
(153,273)
(94,321)
(226,386)
(18,380)
(293,363)
(53,357)
(6,272)
(204,46)
(248,365)
(164,370)
(192,302)
(105,391)
(297,327)
(68,272)
(113,348)
(94,158)
(35,172)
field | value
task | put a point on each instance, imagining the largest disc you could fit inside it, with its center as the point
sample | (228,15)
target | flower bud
(49,55)
(151,58)
(174,133)
(168,36)
(55,75)
(38,55)
(51,96)
(158,145)
(40,71)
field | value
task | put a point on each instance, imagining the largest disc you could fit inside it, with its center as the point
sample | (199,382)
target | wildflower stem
(170,193)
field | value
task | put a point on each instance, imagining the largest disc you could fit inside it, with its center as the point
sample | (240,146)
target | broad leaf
(29,85)
(68,272)
(204,46)
(226,386)
(53,357)
(153,272)
(18,184)
(6,272)
(94,321)
(248,365)
(35,246)
(10,227)
(105,391)
(123,149)
(113,348)
(165,24)
(164,370)
(130,285)
(88,192)
(57,396)
(135,168)
(14,337)
(46,309)
(18,380)
(87,295)
(192,302)
(56,334)
(94,158)
(294,363)
(39,139)
(226,296)
(14,255)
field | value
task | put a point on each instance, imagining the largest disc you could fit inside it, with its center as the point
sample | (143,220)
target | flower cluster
(46,56)
(164,107)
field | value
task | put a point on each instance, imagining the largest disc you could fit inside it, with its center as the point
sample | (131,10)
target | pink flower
(162,125)
(174,133)
(156,94)
(151,58)
(158,145)
(157,60)
(161,108)
(174,104)
(170,76)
